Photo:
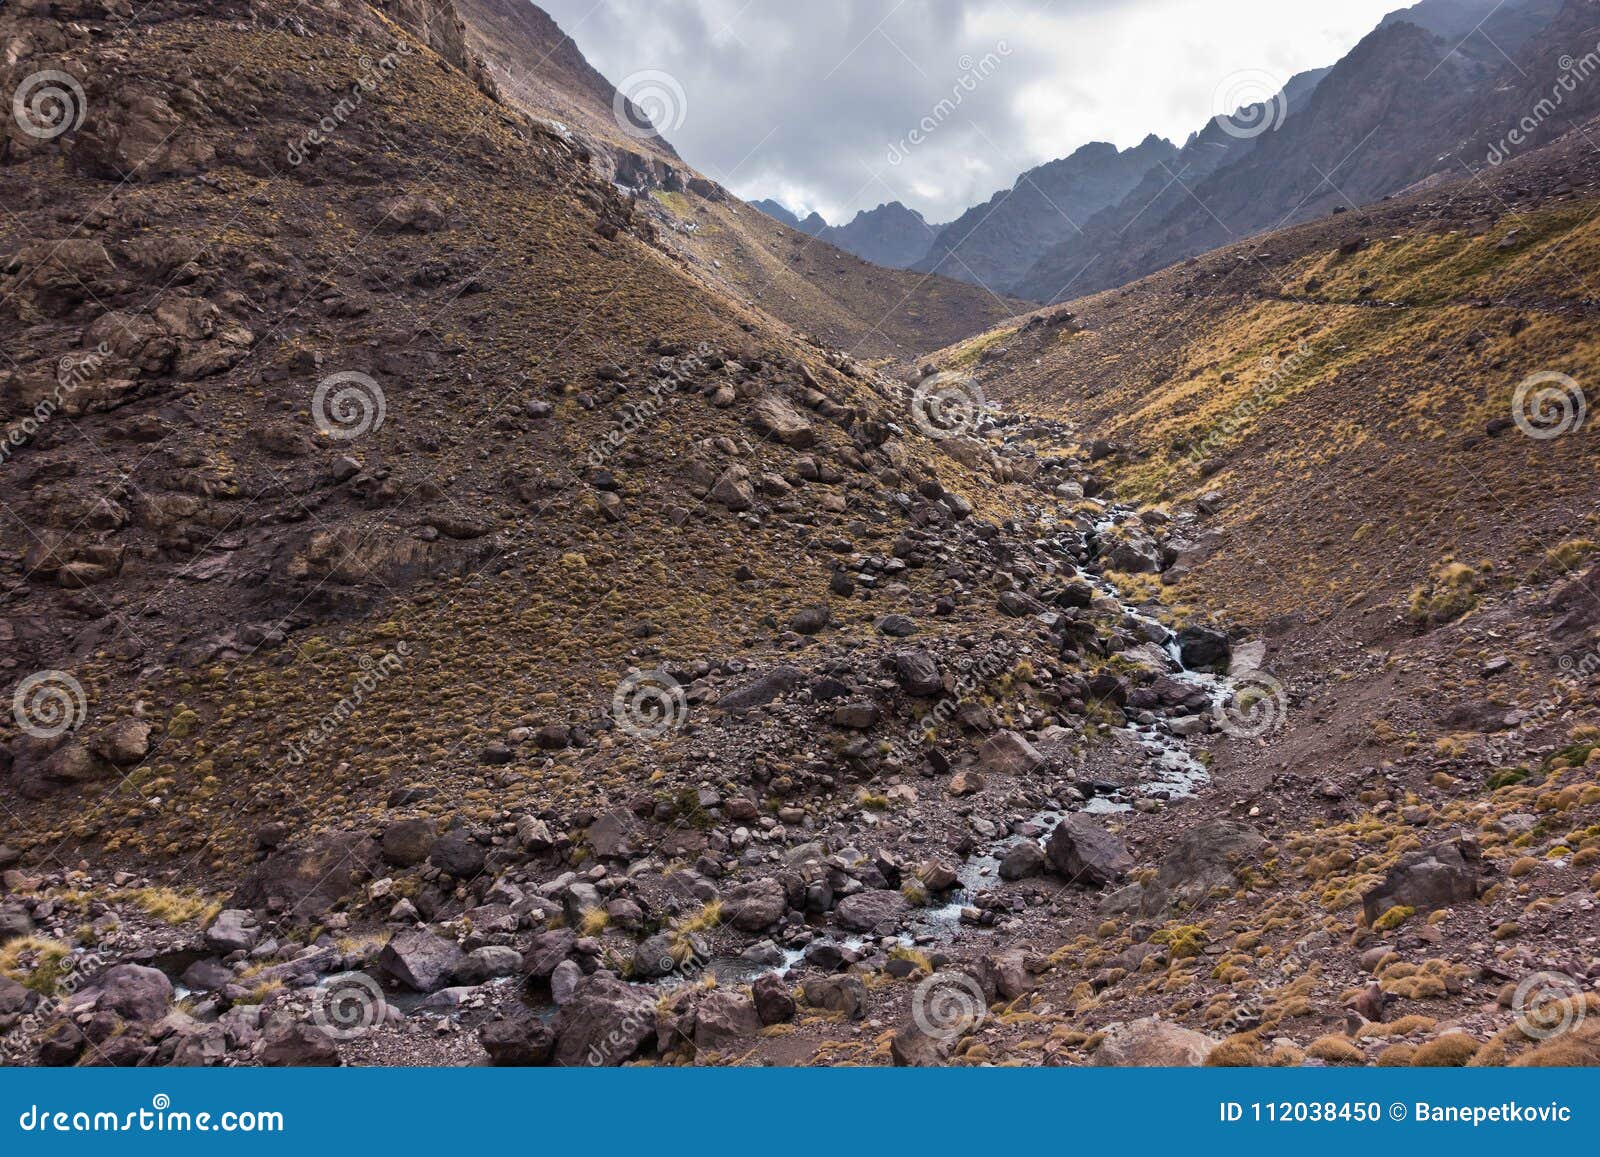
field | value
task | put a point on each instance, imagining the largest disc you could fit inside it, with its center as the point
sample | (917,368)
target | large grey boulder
(1085,853)
(420,960)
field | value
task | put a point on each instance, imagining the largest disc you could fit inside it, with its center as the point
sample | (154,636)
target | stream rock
(1085,853)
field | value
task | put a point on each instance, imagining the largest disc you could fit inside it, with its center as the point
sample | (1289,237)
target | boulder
(774,1002)
(234,930)
(1203,649)
(1085,853)
(755,906)
(1427,879)
(1007,753)
(124,743)
(289,1043)
(917,674)
(760,692)
(305,882)
(1023,861)
(1152,1043)
(518,1041)
(132,991)
(776,418)
(406,843)
(548,950)
(845,994)
(605,1024)
(486,963)
(723,1017)
(456,855)
(420,960)
(878,909)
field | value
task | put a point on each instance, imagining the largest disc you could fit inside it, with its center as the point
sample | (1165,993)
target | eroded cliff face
(438,24)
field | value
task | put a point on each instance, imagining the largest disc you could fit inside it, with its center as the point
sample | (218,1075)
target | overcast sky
(806,100)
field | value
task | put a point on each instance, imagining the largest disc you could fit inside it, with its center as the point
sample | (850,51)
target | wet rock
(1152,1043)
(774,1002)
(518,1041)
(420,960)
(1204,649)
(1085,853)
(1427,879)
(873,910)
(1023,861)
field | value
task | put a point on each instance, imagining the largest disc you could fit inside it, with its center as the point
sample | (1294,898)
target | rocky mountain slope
(995,243)
(449,620)
(1411,101)
(812,286)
